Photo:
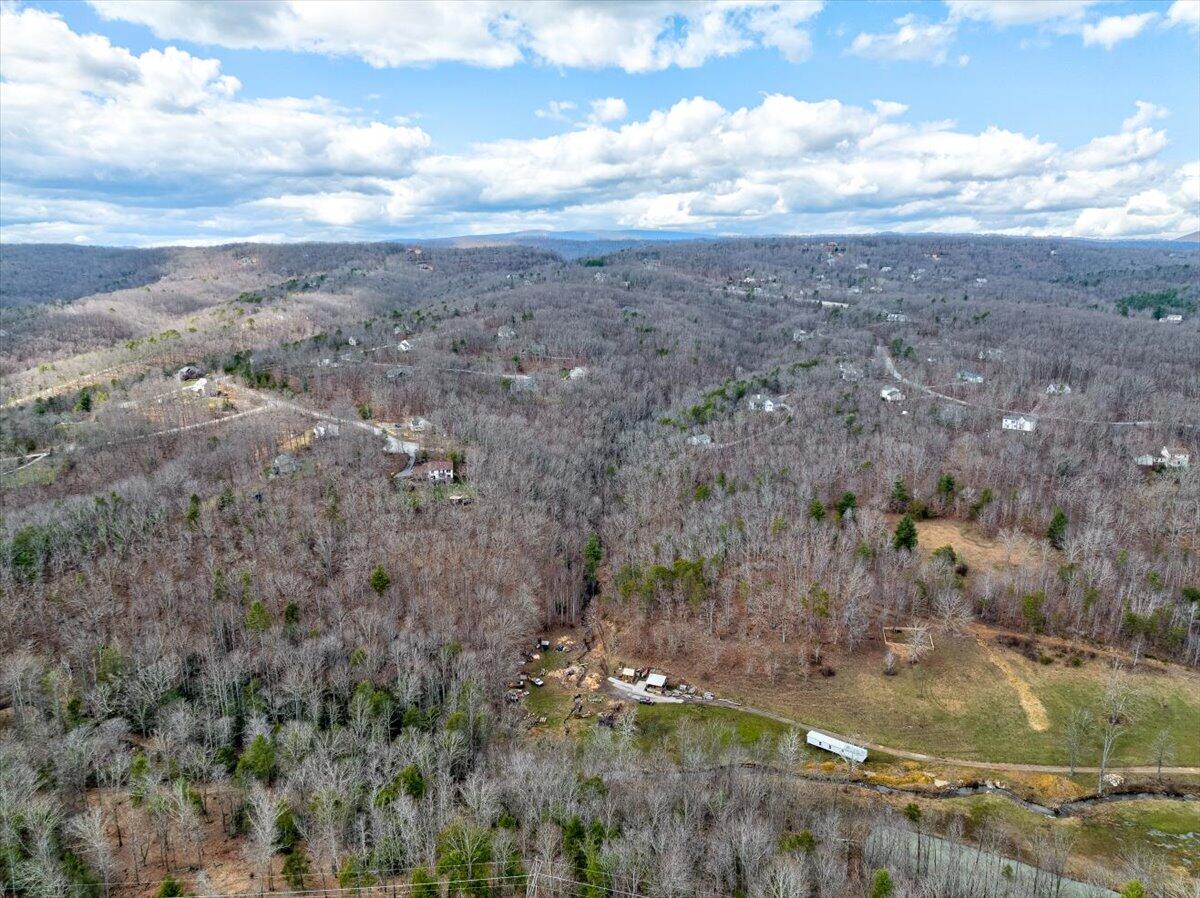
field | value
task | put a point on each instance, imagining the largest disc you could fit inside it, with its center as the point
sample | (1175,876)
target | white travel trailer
(847,750)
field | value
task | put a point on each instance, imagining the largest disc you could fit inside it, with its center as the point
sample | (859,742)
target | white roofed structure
(847,750)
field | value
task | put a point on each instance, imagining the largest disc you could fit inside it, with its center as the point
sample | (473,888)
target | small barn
(891,394)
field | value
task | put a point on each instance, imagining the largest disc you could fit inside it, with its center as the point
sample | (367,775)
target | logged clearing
(978,550)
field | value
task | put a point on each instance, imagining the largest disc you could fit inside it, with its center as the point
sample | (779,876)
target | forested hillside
(252,638)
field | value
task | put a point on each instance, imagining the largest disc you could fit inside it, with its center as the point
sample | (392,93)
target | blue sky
(280,121)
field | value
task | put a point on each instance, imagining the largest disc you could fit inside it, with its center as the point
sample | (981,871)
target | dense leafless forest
(227,610)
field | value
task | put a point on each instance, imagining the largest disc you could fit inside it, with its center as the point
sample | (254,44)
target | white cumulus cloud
(108,146)
(912,41)
(1185,13)
(608,109)
(1111,30)
(637,37)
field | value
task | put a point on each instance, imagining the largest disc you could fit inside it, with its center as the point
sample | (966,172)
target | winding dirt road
(890,363)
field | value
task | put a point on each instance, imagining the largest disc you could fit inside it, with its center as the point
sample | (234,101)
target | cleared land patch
(978,550)
(951,704)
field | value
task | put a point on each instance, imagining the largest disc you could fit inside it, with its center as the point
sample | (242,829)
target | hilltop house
(434,472)
(761,402)
(404,346)
(1018,422)
(1058,390)
(891,394)
(970,377)
(1170,457)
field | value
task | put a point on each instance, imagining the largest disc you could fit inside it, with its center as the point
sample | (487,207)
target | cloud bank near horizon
(104,145)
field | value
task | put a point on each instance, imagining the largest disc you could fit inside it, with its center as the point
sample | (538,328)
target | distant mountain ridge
(1193,237)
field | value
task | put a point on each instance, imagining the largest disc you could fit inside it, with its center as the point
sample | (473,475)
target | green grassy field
(958,704)
(662,725)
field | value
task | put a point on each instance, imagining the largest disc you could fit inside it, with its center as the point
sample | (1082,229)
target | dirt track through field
(1035,711)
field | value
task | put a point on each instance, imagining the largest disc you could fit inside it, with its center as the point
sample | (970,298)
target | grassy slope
(958,704)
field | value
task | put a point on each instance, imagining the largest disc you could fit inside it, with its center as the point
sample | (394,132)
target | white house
(323,431)
(981,281)
(891,394)
(847,750)
(439,472)
(200,387)
(1170,457)
(830,304)
(897,317)
(1018,422)
(577,372)
(353,341)
(1173,319)
(761,402)
(418,425)
(1058,390)
(656,681)
(699,439)
(799,336)
(404,346)
(970,377)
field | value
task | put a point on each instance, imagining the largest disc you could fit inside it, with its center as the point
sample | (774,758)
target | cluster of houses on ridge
(1169,457)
